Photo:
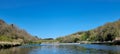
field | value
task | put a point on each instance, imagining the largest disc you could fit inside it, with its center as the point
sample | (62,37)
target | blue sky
(54,18)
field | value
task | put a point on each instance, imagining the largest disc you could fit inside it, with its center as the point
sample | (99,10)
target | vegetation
(35,42)
(68,39)
(48,40)
(107,32)
(10,32)
(5,38)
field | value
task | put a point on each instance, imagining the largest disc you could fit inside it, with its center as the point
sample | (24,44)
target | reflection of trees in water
(79,49)
(18,50)
(56,49)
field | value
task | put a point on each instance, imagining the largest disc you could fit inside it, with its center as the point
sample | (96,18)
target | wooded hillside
(10,32)
(108,32)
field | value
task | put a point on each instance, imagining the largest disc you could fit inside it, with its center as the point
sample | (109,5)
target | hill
(108,32)
(10,32)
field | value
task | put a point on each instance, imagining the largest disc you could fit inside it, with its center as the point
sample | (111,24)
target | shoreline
(115,42)
(9,44)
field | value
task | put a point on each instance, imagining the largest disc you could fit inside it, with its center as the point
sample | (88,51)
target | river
(63,49)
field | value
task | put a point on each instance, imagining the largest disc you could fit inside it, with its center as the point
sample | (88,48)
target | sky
(55,18)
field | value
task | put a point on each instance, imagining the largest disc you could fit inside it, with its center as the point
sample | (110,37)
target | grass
(5,38)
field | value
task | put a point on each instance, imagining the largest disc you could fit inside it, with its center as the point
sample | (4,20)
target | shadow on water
(63,49)
(19,50)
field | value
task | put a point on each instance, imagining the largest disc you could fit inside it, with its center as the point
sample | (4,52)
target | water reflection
(63,49)
(18,50)
(106,49)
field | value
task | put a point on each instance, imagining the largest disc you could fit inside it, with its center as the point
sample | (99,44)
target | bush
(5,38)
(84,37)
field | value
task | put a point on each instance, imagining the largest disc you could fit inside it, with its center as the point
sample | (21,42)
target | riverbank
(115,42)
(9,44)
(59,43)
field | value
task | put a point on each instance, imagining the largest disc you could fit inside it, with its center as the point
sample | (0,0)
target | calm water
(63,49)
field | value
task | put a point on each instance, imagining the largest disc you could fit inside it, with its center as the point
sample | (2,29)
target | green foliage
(34,42)
(48,39)
(5,38)
(92,38)
(76,40)
(68,39)
(84,37)
(10,31)
(107,32)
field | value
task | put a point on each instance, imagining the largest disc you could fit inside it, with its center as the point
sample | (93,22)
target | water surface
(63,49)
